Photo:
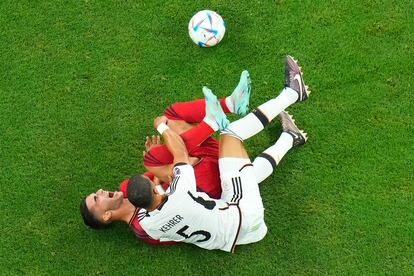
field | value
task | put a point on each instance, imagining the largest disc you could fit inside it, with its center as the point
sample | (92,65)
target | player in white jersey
(185,215)
(189,216)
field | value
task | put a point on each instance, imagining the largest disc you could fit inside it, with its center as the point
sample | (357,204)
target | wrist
(162,127)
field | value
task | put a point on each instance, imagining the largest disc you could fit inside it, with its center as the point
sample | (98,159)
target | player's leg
(237,102)
(291,136)
(158,160)
(294,91)
(194,136)
(266,162)
(194,111)
(180,126)
(238,182)
(161,157)
(188,111)
(240,187)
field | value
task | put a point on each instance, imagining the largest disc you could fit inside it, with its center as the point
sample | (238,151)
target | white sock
(281,147)
(245,127)
(266,162)
(262,168)
(255,121)
(213,124)
(273,107)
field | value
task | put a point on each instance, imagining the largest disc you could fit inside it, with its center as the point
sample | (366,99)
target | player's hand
(156,181)
(159,120)
(152,142)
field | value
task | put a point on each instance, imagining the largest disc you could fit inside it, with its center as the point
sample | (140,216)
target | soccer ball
(206,28)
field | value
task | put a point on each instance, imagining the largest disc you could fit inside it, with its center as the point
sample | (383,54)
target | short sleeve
(183,178)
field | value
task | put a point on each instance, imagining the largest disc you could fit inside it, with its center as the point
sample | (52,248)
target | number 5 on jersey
(206,234)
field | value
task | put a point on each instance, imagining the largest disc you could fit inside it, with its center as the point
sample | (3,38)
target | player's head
(97,208)
(140,191)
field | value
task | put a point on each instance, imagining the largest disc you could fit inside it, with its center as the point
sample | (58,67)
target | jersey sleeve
(183,178)
(143,236)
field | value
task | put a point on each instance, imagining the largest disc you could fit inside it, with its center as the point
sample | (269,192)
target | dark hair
(89,219)
(139,191)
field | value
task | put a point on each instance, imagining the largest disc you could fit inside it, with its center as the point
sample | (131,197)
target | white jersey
(192,217)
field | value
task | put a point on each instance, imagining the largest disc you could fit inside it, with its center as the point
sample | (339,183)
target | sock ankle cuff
(261,116)
(269,158)
(213,124)
(230,104)
(227,131)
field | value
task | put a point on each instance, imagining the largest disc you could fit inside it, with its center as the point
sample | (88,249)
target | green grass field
(81,81)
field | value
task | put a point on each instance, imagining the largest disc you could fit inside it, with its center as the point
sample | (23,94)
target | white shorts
(239,186)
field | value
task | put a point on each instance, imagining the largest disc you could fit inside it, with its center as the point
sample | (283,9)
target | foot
(294,79)
(288,126)
(214,112)
(241,95)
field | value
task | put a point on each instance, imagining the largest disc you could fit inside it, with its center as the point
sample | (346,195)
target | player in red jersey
(202,148)
(188,120)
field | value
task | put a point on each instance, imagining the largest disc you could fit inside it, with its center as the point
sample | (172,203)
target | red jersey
(206,170)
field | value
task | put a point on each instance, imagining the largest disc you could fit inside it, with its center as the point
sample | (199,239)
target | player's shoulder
(183,178)
(181,168)
(138,216)
(181,165)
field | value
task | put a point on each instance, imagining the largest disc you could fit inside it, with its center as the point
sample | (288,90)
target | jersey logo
(177,171)
(142,214)
(299,80)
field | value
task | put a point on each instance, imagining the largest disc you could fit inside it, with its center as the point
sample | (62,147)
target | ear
(155,190)
(107,216)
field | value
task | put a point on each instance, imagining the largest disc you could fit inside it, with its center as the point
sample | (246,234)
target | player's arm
(182,169)
(172,140)
(157,158)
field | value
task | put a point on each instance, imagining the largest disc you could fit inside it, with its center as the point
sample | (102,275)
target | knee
(231,146)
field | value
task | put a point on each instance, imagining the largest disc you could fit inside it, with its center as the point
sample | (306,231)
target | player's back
(192,217)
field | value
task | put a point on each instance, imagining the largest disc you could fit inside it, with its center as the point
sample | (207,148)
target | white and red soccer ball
(206,28)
